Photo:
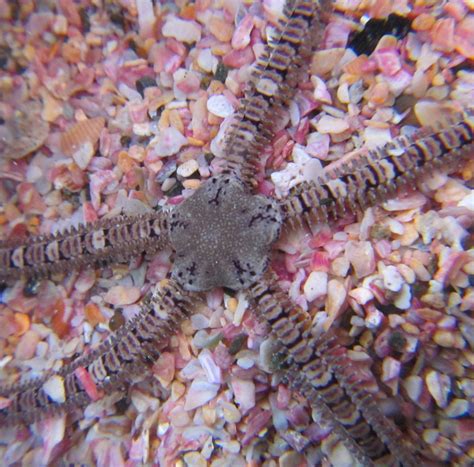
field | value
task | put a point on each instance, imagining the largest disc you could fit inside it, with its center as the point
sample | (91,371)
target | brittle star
(222,237)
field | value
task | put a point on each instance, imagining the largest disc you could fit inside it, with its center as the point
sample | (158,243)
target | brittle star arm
(315,369)
(135,345)
(103,242)
(379,176)
(273,83)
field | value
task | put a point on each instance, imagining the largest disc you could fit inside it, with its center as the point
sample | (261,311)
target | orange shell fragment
(86,131)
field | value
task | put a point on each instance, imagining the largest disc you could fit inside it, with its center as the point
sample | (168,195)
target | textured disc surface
(222,236)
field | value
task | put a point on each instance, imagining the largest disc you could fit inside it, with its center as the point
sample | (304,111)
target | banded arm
(366,432)
(381,173)
(107,368)
(273,83)
(104,242)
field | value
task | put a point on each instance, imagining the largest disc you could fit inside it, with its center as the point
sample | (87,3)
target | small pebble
(390,369)
(429,113)
(430,436)
(187,168)
(178,417)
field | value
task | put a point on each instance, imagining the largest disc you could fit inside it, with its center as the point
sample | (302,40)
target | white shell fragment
(220,106)
(54,388)
(392,279)
(199,393)
(316,285)
(207,61)
(187,168)
(244,393)
(329,124)
(183,31)
(168,142)
(403,299)
(439,386)
(83,155)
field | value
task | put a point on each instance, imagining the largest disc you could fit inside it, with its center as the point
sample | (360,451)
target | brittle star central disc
(222,236)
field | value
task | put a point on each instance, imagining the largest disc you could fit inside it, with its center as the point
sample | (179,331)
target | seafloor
(116,107)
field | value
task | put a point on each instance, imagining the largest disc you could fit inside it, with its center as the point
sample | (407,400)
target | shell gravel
(112,106)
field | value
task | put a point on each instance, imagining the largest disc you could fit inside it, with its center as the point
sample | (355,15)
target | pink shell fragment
(388,61)
(399,81)
(241,37)
(361,256)
(451,264)
(4,402)
(29,199)
(336,299)
(464,38)
(26,347)
(186,82)
(169,142)
(442,34)
(120,295)
(239,58)
(85,280)
(146,17)
(88,384)
(164,368)
(465,430)
(52,430)
(409,202)
(257,420)
(244,393)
